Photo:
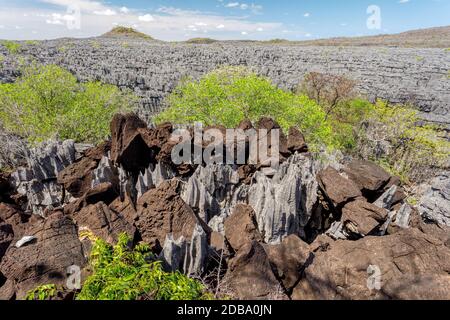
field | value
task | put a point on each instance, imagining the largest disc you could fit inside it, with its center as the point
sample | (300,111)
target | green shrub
(47,102)
(121,273)
(44,292)
(11,46)
(230,94)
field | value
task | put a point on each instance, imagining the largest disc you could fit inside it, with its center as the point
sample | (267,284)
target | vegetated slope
(423,38)
(127,33)
(201,41)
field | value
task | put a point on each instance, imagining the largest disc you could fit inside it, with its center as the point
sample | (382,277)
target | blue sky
(220,19)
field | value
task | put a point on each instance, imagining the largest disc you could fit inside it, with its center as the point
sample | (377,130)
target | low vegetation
(122,273)
(47,102)
(12,46)
(44,292)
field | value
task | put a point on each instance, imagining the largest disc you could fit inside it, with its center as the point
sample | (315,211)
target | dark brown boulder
(241,227)
(6,237)
(161,211)
(245,125)
(4,185)
(129,148)
(362,218)
(245,173)
(104,192)
(336,188)
(77,177)
(7,291)
(288,260)
(126,208)
(46,259)
(369,177)
(296,141)
(407,265)
(250,276)
(267,123)
(103,222)
(15,217)
(157,137)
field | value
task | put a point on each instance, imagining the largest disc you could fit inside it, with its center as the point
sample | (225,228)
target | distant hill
(423,38)
(201,41)
(125,32)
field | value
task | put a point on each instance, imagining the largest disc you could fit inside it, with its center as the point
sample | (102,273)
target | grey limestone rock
(435,203)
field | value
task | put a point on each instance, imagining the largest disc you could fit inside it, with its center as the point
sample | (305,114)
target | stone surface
(128,147)
(197,253)
(241,227)
(15,217)
(161,211)
(103,222)
(296,141)
(336,188)
(45,260)
(369,177)
(249,275)
(77,177)
(6,237)
(435,203)
(50,158)
(288,260)
(284,203)
(362,218)
(407,265)
(173,253)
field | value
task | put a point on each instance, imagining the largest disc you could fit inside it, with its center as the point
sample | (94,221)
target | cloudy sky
(220,19)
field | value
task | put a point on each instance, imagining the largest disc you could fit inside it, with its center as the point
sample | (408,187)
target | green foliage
(12,46)
(121,273)
(44,292)
(346,118)
(47,102)
(31,42)
(230,94)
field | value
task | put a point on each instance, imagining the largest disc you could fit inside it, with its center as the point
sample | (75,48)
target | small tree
(47,102)
(327,89)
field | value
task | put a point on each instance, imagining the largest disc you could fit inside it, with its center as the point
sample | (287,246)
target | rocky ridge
(303,231)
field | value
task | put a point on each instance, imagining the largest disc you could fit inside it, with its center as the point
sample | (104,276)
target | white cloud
(244,33)
(83,5)
(172,23)
(146,18)
(307,14)
(232,5)
(124,10)
(403,1)
(106,12)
